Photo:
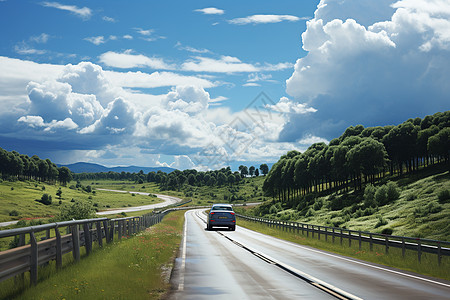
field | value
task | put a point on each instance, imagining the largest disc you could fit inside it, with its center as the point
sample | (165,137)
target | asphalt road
(243,264)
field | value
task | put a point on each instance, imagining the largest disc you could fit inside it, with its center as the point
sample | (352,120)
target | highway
(244,264)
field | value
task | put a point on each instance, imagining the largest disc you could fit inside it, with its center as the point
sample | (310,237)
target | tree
(59,193)
(221,178)
(251,171)
(257,172)
(64,175)
(264,169)
(191,179)
(231,179)
(243,170)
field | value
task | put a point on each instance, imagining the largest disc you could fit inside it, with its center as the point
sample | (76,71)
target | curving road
(248,265)
(168,200)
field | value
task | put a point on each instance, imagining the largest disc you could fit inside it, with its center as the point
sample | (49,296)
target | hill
(84,167)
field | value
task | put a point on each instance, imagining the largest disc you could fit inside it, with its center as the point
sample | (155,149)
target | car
(221,215)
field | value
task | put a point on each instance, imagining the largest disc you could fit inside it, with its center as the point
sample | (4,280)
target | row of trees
(361,155)
(20,166)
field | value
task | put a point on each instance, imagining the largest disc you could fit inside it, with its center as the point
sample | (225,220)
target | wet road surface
(220,264)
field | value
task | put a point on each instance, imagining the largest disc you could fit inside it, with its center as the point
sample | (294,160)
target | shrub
(444,196)
(381,222)
(411,197)
(387,231)
(381,196)
(393,191)
(14,213)
(273,209)
(310,213)
(72,187)
(369,196)
(133,194)
(318,204)
(78,211)
(21,223)
(43,187)
(12,188)
(46,199)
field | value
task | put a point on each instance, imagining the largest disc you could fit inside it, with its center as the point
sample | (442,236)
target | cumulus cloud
(287,106)
(211,11)
(263,19)
(373,66)
(84,12)
(128,60)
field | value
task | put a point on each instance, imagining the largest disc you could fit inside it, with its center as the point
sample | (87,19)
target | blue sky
(206,84)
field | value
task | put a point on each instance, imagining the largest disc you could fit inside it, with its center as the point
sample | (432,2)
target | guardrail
(440,248)
(79,233)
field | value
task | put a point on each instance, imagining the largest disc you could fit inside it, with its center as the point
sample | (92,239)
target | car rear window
(222,208)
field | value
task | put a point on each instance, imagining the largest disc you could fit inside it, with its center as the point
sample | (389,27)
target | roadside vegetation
(428,266)
(138,267)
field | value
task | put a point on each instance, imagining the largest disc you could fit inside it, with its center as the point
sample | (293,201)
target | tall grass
(428,265)
(138,267)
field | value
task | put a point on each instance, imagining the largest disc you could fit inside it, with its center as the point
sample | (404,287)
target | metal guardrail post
(341,236)
(119,229)
(387,244)
(439,253)
(349,238)
(419,250)
(333,235)
(318,233)
(359,236)
(403,247)
(34,259)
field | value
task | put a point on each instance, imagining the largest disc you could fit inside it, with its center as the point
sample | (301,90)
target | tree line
(20,166)
(359,156)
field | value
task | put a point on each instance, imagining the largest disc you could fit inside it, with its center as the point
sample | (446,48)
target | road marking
(326,287)
(354,261)
(183,255)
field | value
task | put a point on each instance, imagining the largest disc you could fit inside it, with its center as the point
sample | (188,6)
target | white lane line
(183,255)
(354,261)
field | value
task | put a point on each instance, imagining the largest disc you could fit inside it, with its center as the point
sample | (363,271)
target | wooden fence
(78,233)
(440,248)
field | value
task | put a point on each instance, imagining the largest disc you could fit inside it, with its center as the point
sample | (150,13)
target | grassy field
(418,212)
(135,268)
(428,266)
(18,199)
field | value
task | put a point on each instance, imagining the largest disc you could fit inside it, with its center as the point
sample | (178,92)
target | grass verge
(428,265)
(138,267)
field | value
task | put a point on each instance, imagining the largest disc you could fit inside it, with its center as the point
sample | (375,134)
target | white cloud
(211,11)
(155,79)
(127,60)
(179,46)
(391,66)
(251,84)
(84,12)
(41,39)
(182,162)
(226,64)
(128,37)
(96,40)
(26,50)
(287,106)
(108,19)
(148,34)
(263,19)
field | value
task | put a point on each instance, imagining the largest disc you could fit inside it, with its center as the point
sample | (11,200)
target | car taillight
(232,213)
(211,213)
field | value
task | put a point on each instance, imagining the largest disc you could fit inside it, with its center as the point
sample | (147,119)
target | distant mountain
(83,167)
